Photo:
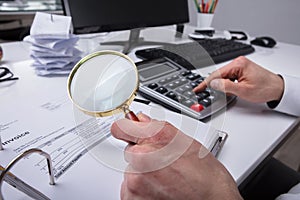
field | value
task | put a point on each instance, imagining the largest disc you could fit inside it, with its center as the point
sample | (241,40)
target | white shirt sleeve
(290,101)
(290,104)
(293,194)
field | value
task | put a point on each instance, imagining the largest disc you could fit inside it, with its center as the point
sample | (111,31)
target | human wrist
(280,88)
(278,92)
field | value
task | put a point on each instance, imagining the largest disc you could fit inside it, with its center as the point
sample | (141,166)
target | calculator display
(156,70)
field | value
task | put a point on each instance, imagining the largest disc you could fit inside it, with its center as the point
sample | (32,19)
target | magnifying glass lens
(103,82)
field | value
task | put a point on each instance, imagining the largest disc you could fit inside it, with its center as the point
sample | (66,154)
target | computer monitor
(92,16)
(14,3)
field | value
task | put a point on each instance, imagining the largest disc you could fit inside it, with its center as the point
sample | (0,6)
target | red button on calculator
(197,107)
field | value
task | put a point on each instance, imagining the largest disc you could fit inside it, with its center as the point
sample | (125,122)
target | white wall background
(276,18)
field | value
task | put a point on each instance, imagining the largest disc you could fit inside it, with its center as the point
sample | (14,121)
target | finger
(118,133)
(229,71)
(206,82)
(143,118)
(135,132)
(200,87)
(233,70)
(226,86)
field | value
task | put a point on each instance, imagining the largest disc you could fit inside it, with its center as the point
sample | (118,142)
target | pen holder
(204,21)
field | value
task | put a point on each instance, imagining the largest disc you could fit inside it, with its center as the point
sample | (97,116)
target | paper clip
(19,184)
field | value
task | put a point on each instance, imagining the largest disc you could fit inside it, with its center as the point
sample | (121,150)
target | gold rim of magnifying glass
(118,109)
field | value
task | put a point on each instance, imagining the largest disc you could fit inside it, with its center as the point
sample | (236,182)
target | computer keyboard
(199,53)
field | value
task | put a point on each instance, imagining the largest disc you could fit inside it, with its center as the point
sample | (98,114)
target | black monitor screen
(111,15)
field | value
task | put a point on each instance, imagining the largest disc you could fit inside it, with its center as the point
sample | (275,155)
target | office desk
(254,130)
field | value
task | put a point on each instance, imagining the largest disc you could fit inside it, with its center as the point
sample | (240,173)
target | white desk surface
(254,131)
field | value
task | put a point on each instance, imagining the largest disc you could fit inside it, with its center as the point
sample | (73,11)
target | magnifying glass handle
(130,115)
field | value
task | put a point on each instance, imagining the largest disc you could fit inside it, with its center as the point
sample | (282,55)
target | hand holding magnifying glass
(104,83)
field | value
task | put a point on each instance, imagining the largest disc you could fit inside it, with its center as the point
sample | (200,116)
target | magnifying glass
(104,83)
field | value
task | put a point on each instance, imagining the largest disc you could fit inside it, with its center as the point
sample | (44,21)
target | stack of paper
(53,47)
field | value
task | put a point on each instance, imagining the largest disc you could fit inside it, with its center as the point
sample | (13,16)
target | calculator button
(189,94)
(187,87)
(212,98)
(171,85)
(168,79)
(177,82)
(205,102)
(209,90)
(174,84)
(162,82)
(184,88)
(199,97)
(180,98)
(200,80)
(183,81)
(185,73)
(197,107)
(181,90)
(172,95)
(188,103)
(193,84)
(193,76)
(153,85)
(203,94)
(161,90)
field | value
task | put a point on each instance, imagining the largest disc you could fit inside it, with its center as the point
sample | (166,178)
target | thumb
(135,132)
(143,117)
(225,85)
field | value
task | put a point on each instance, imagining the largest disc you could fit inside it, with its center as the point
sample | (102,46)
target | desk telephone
(169,84)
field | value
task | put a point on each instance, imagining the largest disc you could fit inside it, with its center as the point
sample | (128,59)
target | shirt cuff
(274,104)
(290,100)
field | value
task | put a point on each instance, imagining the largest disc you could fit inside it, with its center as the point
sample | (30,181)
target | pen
(1,146)
(22,186)
(197,5)
(210,9)
(215,150)
(215,5)
(147,102)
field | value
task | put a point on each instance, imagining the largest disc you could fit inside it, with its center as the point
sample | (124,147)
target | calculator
(169,84)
